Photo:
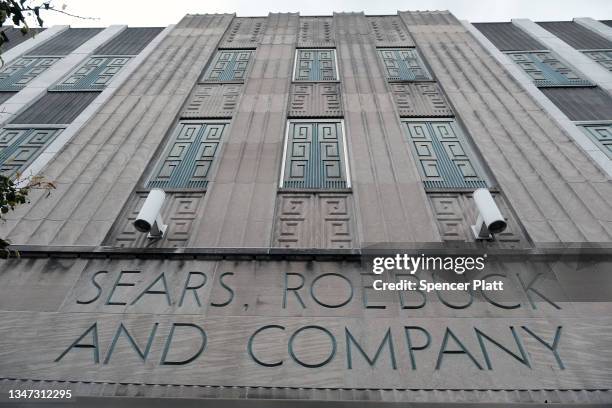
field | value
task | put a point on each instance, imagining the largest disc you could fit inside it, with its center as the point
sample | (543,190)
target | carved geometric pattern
(315,65)
(602,57)
(229,65)
(546,70)
(244,32)
(420,99)
(19,147)
(180,212)
(311,99)
(601,134)
(315,156)
(187,160)
(212,101)
(403,64)
(314,221)
(17,75)
(389,31)
(443,157)
(316,32)
(93,75)
(455,213)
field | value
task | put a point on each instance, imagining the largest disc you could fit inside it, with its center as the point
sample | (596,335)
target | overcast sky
(158,13)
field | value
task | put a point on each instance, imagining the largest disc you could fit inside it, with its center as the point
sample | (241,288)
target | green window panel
(443,156)
(403,64)
(229,66)
(602,57)
(601,135)
(315,156)
(93,75)
(546,70)
(19,147)
(186,162)
(18,74)
(315,65)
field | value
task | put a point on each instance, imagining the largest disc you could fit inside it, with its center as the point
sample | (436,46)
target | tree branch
(66,13)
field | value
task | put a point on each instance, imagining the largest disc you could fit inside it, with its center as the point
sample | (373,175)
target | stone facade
(293,151)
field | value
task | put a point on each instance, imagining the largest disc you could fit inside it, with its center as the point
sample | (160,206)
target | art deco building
(293,151)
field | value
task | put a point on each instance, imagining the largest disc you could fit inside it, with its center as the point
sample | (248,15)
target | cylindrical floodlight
(149,218)
(490,219)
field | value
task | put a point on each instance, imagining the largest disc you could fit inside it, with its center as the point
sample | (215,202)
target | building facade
(293,151)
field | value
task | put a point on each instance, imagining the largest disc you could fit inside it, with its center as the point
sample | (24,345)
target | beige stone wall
(47,305)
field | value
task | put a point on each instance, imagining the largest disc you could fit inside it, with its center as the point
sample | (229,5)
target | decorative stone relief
(315,100)
(316,32)
(423,99)
(244,32)
(212,101)
(455,213)
(389,31)
(180,212)
(313,220)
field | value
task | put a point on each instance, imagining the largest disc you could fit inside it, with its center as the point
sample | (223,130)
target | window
(442,153)
(601,134)
(602,57)
(315,156)
(20,146)
(315,65)
(187,160)
(229,66)
(403,64)
(546,69)
(93,75)
(17,75)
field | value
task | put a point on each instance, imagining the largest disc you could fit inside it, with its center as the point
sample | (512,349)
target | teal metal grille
(229,66)
(93,75)
(443,157)
(19,148)
(602,57)
(403,64)
(18,74)
(316,65)
(189,156)
(601,135)
(315,156)
(546,70)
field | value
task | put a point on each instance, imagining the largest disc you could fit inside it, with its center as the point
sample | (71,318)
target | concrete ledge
(541,253)
(160,395)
